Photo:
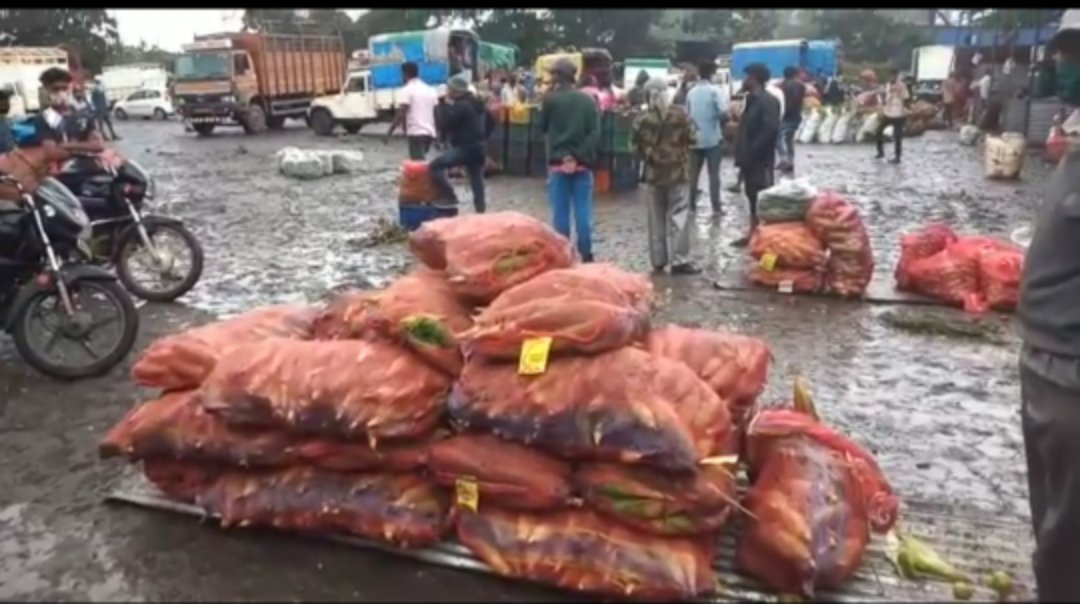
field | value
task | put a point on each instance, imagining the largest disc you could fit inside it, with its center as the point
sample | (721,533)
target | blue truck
(815,56)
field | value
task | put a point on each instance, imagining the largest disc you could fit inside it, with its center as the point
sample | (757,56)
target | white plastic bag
(347,162)
(854,127)
(824,131)
(969,135)
(786,201)
(802,125)
(839,132)
(811,127)
(300,164)
(869,127)
(1004,155)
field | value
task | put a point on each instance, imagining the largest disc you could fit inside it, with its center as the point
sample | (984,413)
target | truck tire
(275,122)
(322,122)
(255,120)
(204,129)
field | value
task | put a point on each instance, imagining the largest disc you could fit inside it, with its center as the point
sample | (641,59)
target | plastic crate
(518,133)
(625,172)
(601,182)
(621,133)
(603,161)
(517,161)
(412,216)
(538,160)
(607,131)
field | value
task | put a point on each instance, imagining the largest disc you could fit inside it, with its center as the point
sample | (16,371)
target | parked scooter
(156,257)
(46,301)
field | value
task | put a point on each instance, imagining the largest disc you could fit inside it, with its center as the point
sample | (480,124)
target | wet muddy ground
(941,413)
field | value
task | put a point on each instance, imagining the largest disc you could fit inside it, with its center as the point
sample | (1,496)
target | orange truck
(255,80)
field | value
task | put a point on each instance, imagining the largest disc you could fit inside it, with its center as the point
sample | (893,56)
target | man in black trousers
(755,143)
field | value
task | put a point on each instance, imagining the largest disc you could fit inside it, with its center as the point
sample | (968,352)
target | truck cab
(214,84)
(357,104)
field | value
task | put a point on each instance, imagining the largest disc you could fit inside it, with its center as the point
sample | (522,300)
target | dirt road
(942,414)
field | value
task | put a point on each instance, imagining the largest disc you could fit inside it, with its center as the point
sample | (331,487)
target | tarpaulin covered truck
(817,57)
(370,94)
(255,80)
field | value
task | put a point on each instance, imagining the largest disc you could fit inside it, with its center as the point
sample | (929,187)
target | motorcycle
(46,300)
(113,191)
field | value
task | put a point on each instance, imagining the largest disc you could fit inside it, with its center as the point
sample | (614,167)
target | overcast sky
(173,27)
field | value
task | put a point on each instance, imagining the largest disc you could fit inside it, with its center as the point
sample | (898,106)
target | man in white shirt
(894,110)
(416,112)
(981,88)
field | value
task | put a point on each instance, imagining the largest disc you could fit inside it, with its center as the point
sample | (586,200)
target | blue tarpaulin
(965,36)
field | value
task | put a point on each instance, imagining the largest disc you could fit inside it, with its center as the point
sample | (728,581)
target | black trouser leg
(898,135)
(697,160)
(880,136)
(1050,418)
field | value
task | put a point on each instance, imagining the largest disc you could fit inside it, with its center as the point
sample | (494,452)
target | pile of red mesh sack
(975,273)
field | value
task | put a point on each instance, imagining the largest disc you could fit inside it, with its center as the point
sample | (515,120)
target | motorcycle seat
(100,180)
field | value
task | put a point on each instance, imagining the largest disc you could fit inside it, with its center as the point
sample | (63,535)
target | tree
(869,36)
(749,25)
(91,33)
(142,53)
(382,20)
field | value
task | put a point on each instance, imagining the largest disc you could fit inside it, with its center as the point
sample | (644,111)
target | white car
(146,104)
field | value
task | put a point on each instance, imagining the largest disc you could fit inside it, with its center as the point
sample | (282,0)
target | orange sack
(625,406)
(176,427)
(637,287)
(179,480)
(923,243)
(580,312)
(656,502)
(485,254)
(352,389)
(580,550)
(415,186)
(418,310)
(793,244)
(183,360)
(736,367)
(1000,272)
(815,496)
(405,510)
(507,474)
(838,224)
(801,281)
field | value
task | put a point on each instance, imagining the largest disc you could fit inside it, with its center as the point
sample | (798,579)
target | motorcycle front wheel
(173,273)
(100,332)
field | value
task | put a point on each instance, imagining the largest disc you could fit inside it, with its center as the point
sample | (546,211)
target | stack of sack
(308,164)
(810,242)
(975,273)
(499,391)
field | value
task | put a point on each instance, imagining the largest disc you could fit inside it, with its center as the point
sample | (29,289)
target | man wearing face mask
(60,123)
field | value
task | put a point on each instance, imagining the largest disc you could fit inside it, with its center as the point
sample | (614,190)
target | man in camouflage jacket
(662,137)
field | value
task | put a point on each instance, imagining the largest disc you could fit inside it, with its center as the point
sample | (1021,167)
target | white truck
(121,81)
(358,104)
(20,68)
(930,65)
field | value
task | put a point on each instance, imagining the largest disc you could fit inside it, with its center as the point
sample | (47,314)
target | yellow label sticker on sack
(534,356)
(768,261)
(467,493)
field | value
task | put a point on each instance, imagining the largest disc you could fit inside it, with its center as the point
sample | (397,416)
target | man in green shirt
(570,120)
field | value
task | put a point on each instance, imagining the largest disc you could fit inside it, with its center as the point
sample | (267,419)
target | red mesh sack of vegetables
(656,502)
(1000,272)
(950,277)
(734,366)
(581,551)
(506,474)
(405,510)
(815,496)
(625,406)
(177,427)
(836,222)
(418,310)
(179,480)
(351,389)
(183,360)
(485,254)
(923,243)
(579,312)
(415,185)
(847,274)
(792,243)
(788,280)
(637,287)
